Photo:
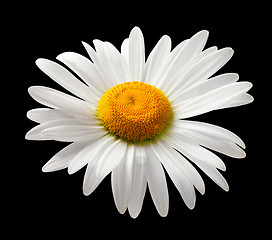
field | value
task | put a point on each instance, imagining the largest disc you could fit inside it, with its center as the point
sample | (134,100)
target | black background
(48,204)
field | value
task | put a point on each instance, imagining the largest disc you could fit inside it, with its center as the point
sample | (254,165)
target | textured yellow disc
(134,111)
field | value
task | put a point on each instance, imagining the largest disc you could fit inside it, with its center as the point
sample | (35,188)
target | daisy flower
(128,117)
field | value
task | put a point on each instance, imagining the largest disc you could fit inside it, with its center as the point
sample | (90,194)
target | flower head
(128,116)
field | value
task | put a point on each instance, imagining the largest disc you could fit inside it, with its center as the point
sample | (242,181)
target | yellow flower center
(134,111)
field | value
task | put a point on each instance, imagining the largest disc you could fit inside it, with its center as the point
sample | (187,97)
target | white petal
(136,54)
(157,58)
(225,147)
(92,156)
(171,83)
(118,64)
(111,157)
(190,49)
(85,155)
(186,167)
(91,182)
(63,158)
(124,49)
(160,79)
(102,81)
(175,51)
(157,183)
(180,180)
(201,70)
(84,68)
(216,99)
(179,142)
(215,175)
(56,99)
(205,87)
(121,180)
(210,130)
(63,77)
(240,100)
(35,133)
(41,115)
(112,63)
(202,160)
(139,180)
(73,133)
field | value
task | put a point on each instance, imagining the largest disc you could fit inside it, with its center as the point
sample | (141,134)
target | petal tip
(163,214)
(40,62)
(202,191)
(205,33)
(46,168)
(70,170)
(229,50)
(136,31)
(136,28)
(85,191)
(191,206)
(27,136)
(133,214)
(61,57)
(85,45)
(30,89)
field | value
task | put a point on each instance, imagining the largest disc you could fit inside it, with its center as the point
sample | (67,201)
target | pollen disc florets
(134,111)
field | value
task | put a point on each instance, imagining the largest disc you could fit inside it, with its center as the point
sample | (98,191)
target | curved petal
(112,63)
(102,81)
(180,180)
(210,130)
(111,157)
(138,183)
(175,80)
(156,59)
(56,99)
(198,152)
(91,181)
(216,99)
(64,157)
(63,77)
(84,68)
(41,115)
(56,130)
(201,70)
(204,87)
(71,133)
(185,166)
(189,50)
(121,180)
(136,53)
(118,64)
(85,155)
(35,133)
(188,149)
(218,144)
(240,100)
(157,182)
(124,49)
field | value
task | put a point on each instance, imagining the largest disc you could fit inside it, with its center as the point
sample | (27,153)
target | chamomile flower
(129,117)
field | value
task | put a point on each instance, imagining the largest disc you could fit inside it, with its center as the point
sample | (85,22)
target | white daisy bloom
(128,116)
